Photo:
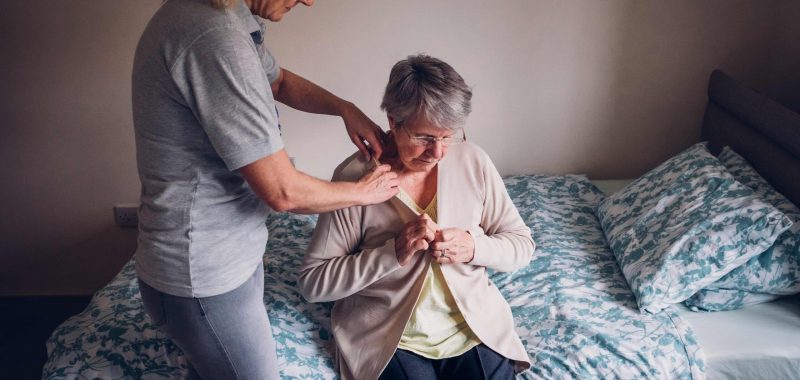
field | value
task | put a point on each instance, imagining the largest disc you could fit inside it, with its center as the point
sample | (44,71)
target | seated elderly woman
(413,299)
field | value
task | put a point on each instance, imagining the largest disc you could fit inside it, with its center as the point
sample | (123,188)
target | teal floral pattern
(574,311)
(684,225)
(113,338)
(772,274)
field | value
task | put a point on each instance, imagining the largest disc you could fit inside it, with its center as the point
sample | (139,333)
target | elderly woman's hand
(361,128)
(414,237)
(453,245)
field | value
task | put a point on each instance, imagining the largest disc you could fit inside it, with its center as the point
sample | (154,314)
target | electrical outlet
(126,215)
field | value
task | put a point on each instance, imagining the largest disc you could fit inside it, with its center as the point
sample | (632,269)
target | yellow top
(436,330)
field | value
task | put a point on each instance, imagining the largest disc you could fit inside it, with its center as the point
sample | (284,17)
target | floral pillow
(772,274)
(684,225)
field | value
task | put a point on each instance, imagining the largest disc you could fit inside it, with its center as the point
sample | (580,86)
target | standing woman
(211,159)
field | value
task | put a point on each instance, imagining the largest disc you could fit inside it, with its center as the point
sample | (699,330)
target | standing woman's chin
(276,15)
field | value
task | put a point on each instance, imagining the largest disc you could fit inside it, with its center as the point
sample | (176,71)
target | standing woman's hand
(377,185)
(361,128)
(453,245)
(414,237)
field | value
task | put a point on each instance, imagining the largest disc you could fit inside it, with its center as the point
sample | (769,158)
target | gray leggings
(227,336)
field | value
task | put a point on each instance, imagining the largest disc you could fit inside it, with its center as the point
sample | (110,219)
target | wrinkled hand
(415,237)
(360,128)
(452,245)
(377,185)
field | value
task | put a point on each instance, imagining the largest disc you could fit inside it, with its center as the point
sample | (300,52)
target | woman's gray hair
(421,85)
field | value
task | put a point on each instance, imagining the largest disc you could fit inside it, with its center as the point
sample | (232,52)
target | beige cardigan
(351,259)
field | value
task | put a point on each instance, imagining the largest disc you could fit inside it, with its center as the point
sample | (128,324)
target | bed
(757,342)
(573,308)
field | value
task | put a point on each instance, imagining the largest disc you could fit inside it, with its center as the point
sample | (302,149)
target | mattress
(757,342)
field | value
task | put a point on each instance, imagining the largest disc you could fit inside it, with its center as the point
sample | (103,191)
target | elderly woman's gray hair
(424,86)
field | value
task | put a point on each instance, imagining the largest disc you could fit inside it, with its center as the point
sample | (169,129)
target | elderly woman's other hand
(361,128)
(415,237)
(452,245)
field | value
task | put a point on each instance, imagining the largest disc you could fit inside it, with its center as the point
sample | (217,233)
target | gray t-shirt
(202,108)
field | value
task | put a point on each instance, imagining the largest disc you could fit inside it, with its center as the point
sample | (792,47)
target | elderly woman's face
(415,147)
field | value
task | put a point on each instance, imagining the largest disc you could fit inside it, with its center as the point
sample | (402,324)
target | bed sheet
(574,311)
(757,342)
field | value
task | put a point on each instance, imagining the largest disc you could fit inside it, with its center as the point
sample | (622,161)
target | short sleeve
(222,78)
(271,67)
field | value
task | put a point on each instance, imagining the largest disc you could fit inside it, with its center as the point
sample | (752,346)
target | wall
(784,84)
(607,88)
(66,142)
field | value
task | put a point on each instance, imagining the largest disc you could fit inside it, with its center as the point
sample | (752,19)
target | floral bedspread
(574,311)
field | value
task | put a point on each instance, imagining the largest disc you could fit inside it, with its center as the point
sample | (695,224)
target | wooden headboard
(764,132)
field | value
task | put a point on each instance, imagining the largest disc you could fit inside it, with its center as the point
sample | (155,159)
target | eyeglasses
(456,138)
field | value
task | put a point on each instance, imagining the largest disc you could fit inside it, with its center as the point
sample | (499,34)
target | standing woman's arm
(300,93)
(221,79)
(284,188)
